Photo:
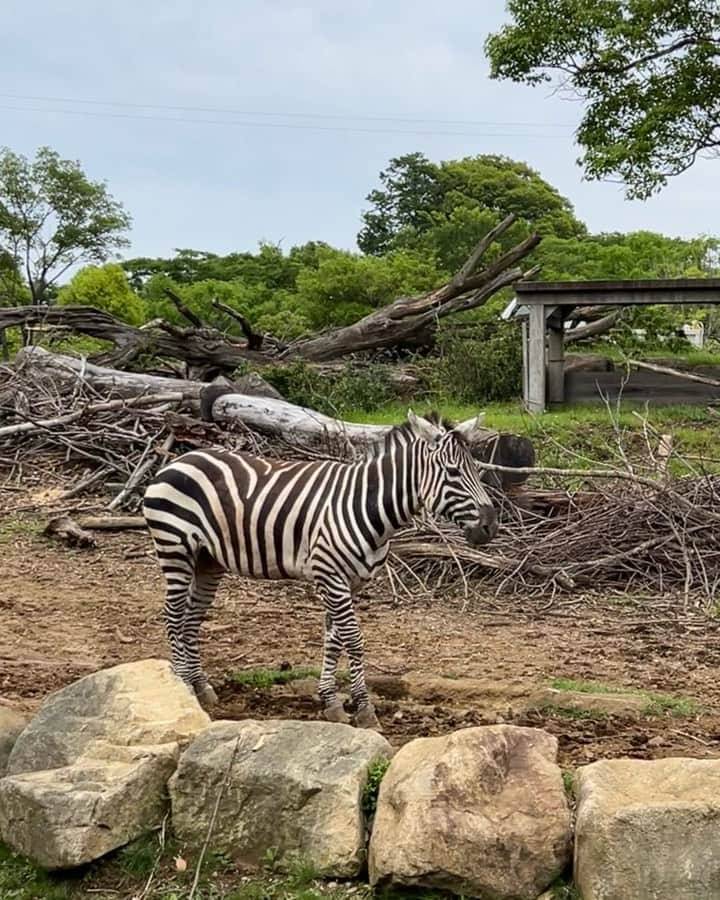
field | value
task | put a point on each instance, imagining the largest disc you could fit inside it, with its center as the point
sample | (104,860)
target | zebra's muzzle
(484,530)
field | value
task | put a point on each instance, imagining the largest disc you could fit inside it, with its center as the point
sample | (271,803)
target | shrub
(357,386)
(480,367)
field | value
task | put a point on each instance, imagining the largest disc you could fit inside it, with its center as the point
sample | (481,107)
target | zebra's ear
(423,428)
(466,428)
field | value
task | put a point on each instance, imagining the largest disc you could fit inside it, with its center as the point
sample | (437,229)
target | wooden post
(536,359)
(525,375)
(556,360)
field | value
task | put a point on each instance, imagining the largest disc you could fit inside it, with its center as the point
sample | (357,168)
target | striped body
(328,522)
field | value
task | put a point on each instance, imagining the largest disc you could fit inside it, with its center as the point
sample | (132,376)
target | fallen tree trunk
(225,405)
(404,321)
(676,373)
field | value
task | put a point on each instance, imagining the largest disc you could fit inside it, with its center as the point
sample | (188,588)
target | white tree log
(295,424)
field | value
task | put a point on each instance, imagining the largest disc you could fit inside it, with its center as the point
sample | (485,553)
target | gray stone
(648,828)
(89,773)
(131,704)
(70,816)
(293,789)
(11,725)
(480,812)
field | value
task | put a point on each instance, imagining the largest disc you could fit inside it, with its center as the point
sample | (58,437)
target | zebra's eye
(454,472)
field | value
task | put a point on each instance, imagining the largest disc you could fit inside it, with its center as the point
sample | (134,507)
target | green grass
(125,874)
(376,773)
(584,435)
(658,704)
(266,678)
(16,527)
(262,679)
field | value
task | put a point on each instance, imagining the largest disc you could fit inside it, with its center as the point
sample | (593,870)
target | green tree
(446,208)
(345,287)
(647,70)
(107,288)
(53,217)
(639,254)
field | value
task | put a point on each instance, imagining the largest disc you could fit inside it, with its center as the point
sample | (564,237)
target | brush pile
(616,529)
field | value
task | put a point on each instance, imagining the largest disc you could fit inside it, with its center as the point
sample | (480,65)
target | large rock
(89,773)
(132,704)
(648,828)
(11,725)
(290,788)
(480,812)
(66,817)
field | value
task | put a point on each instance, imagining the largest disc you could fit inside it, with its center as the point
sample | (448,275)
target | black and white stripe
(326,522)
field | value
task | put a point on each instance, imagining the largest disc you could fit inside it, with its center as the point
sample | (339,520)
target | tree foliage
(106,288)
(648,71)
(53,217)
(443,209)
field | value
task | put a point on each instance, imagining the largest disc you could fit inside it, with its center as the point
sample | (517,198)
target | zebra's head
(451,486)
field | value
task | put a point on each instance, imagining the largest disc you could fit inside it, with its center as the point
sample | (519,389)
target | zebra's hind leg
(202,592)
(333,706)
(178,574)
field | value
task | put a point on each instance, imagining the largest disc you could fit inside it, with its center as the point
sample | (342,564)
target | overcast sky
(325,90)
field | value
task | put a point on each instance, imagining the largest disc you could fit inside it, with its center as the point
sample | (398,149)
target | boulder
(70,816)
(480,812)
(11,725)
(131,704)
(293,789)
(648,828)
(89,773)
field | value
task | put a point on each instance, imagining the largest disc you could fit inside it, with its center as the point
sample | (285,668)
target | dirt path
(66,613)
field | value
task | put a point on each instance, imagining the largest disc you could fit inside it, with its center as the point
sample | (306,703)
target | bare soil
(66,613)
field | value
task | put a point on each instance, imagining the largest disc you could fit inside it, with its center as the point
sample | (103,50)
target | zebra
(323,521)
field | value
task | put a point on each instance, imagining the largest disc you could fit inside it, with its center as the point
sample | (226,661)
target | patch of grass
(16,527)
(20,879)
(568,777)
(376,773)
(138,858)
(583,435)
(564,890)
(585,687)
(676,706)
(266,678)
(658,704)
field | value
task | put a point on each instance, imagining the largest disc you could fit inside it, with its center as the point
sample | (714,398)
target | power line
(282,125)
(292,115)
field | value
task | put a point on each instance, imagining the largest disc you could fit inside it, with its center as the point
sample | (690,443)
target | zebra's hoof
(335,712)
(366,718)
(206,695)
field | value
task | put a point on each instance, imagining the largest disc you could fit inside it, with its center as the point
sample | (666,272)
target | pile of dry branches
(617,529)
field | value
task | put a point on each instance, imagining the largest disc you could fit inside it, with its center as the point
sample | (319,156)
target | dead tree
(403,321)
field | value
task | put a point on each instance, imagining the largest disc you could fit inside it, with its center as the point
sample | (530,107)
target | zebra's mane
(404,431)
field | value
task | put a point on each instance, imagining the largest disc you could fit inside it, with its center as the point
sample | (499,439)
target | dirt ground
(66,613)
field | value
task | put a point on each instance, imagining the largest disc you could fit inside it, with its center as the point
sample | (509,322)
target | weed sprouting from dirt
(376,773)
(568,777)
